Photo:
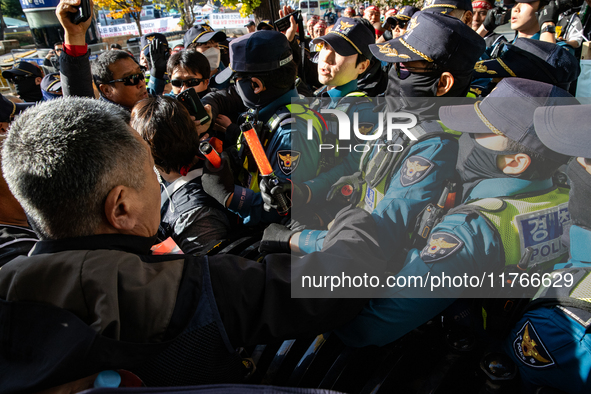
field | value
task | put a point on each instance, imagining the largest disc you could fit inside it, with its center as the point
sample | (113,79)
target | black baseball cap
(446,6)
(532,59)
(148,38)
(406,12)
(23,68)
(436,38)
(509,110)
(250,23)
(349,37)
(564,129)
(8,109)
(265,23)
(201,34)
(261,51)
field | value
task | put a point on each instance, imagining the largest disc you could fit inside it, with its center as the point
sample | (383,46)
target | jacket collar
(125,243)
(500,187)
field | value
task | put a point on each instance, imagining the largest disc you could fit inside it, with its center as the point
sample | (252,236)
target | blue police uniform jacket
(248,204)
(556,349)
(321,184)
(403,201)
(478,250)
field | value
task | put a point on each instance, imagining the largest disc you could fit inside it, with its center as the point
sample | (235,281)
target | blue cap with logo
(148,38)
(446,6)
(436,38)
(23,68)
(348,37)
(51,86)
(261,51)
(532,59)
(509,111)
(201,34)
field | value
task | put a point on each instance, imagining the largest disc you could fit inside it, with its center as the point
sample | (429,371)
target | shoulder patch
(414,169)
(529,348)
(288,160)
(440,245)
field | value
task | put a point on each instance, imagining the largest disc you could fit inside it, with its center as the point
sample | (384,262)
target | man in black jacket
(87,184)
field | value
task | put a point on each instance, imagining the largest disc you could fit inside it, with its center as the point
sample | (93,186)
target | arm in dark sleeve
(255,299)
(226,102)
(76,75)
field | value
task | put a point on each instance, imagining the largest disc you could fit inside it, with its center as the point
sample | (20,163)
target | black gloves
(158,57)
(218,182)
(276,238)
(496,17)
(349,187)
(549,13)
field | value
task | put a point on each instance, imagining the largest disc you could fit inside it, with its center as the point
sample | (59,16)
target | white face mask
(213,55)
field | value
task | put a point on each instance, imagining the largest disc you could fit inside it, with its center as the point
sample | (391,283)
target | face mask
(580,190)
(476,163)
(213,56)
(413,85)
(28,90)
(245,90)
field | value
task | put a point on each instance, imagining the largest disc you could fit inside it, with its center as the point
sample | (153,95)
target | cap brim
(341,46)
(217,35)
(393,51)
(463,118)
(12,72)
(561,129)
(224,75)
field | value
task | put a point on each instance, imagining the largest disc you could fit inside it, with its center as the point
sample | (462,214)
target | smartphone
(190,99)
(284,23)
(82,14)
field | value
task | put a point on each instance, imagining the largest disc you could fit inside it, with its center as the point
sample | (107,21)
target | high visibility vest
(533,220)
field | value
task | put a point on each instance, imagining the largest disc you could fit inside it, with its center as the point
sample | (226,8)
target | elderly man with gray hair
(91,297)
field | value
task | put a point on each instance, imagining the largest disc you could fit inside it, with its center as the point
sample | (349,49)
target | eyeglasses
(405,72)
(178,83)
(131,80)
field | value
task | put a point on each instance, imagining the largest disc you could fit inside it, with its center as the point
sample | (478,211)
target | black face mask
(580,190)
(245,90)
(476,163)
(28,90)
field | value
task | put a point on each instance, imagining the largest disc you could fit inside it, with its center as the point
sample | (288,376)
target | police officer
(510,202)
(204,39)
(393,195)
(27,80)
(530,59)
(551,344)
(262,63)
(343,57)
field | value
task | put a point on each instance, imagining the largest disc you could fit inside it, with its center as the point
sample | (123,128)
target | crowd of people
(125,179)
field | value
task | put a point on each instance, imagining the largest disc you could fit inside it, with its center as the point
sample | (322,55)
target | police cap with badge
(436,38)
(403,15)
(201,34)
(532,59)
(348,37)
(23,69)
(257,52)
(446,6)
(265,24)
(509,111)
(51,86)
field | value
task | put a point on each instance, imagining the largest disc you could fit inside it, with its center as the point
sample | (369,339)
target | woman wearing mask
(193,219)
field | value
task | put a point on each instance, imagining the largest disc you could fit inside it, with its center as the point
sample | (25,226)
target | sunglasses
(131,80)
(21,78)
(178,83)
(405,72)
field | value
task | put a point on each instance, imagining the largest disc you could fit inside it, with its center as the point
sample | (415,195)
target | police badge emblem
(440,245)
(414,169)
(529,348)
(288,160)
